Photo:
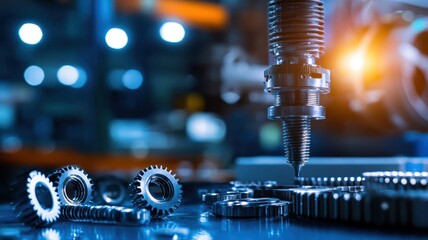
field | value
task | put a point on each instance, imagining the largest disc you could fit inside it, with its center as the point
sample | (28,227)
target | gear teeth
(28,205)
(73,173)
(140,192)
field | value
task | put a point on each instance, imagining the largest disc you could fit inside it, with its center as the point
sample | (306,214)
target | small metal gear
(251,207)
(36,200)
(74,185)
(402,181)
(157,189)
(330,181)
(111,190)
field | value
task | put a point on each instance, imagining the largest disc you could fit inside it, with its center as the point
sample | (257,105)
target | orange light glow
(200,14)
(355,62)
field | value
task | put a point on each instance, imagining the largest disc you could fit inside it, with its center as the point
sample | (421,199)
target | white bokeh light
(82,78)
(205,127)
(132,79)
(34,75)
(116,38)
(172,32)
(68,75)
(30,33)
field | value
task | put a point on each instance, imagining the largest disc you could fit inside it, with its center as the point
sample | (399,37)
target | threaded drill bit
(296,39)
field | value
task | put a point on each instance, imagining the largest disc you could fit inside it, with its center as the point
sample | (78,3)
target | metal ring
(210,198)
(157,189)
(251,207)
(36,201)
(74,185)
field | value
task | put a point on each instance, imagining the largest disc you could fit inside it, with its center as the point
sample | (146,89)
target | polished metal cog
(330,181)
(157,189)
(378,181)
(74,185)
(251,207)
(36,200)
(210,198)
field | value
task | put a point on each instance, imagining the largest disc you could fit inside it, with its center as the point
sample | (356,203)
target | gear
(74,185)
(157,189)
(105,214)
(36,200)
(251,207)
(330,181)
(210,198)
(111,190)
(377,181)
(395,199)
(254,184)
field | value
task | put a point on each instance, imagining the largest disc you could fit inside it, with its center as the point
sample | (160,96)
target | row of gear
(68,194)
(330,181)
(383,199)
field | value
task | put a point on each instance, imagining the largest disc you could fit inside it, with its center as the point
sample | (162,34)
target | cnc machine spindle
(296,39)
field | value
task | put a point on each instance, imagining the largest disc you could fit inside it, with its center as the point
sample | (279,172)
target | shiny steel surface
(193,221)
(73,184)
(330,181)
(156,189)
(210,198)
(105,214)
(296,40)
(251,207)
(36,201)
(378,181)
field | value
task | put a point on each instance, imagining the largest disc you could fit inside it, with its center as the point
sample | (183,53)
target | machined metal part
(253,184)
(73,184)
(105,214)
(378,181)
(210,198)
(400,202)
(157,189)
(351,189)
(384,208)
(296,39)
(251,207)
(111,191)
(330,181)
(268,192)
(36,200)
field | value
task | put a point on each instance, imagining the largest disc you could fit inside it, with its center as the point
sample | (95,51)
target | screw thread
(297,98)
(297,141)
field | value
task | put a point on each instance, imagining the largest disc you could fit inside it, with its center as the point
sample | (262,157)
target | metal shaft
(296,39)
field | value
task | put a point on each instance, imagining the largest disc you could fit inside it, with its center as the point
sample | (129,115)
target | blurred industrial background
(114,86)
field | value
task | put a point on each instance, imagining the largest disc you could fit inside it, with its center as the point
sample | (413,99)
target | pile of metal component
(68,194)
(376,198)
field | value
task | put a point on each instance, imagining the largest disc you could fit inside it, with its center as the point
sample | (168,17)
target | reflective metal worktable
(193,221)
